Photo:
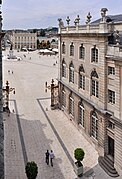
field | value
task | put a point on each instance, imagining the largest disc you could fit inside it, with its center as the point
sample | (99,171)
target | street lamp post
(54,93)
(7,90)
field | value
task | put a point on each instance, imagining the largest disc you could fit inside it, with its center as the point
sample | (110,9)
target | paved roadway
(32,127)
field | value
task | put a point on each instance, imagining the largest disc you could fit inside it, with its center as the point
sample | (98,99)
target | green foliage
(31,170)
(38,44)
(79,154)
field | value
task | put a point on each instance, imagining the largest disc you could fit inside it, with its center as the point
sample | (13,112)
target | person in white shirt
(51,157)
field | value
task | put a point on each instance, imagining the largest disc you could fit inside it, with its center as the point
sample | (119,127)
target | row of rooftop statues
(88,18)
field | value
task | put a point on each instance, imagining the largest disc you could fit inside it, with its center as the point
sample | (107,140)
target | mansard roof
(110,18)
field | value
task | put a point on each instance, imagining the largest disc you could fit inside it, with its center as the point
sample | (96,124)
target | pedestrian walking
(8,111)
(47,157)
(51,157)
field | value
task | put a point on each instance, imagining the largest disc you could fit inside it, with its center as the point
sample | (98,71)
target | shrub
(79,155)
(31,170)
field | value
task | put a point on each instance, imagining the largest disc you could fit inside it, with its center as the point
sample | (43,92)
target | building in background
(90,83)
(23,39)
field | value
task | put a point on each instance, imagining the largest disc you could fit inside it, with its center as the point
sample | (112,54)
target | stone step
(108,166)
(109,160)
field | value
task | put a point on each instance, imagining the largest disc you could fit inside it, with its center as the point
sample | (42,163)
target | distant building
(23,39)
(52,40)
(90,83)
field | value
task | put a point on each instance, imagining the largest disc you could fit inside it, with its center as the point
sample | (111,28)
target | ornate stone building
(25,39)
(90,83)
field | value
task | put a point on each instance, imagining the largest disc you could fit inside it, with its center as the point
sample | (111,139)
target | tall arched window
(81,77)
(71,105)
(94,54)
(72,49)
(71,72)
(94,125)
(63,69)
(63,48)
(81,52)
(81,114)
(63,98)
(94,83)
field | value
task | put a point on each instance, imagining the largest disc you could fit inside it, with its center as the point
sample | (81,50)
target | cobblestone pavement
(33,127)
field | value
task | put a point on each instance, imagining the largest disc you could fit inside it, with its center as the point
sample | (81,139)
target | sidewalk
(62,136)
(72,138)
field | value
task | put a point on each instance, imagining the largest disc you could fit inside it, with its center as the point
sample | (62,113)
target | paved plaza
(33,127)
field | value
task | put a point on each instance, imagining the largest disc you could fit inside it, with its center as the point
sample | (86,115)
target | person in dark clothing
(47,157)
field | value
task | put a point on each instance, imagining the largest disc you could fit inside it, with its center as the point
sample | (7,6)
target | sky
(28,14)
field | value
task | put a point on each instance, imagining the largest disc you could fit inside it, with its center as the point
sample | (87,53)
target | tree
(38,44)
(31,170)
(48,44)
(42,32)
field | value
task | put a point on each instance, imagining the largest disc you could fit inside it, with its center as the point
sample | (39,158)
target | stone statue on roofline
(117,37)
(68,20)
(61,24)
(88,18)
(77,20)
(103,13)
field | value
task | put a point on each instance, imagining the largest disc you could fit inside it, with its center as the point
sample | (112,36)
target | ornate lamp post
(7,90)
(54,93)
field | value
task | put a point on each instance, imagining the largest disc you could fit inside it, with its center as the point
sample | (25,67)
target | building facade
(24,39)
(90,83)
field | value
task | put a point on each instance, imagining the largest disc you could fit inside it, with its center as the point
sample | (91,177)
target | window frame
(95,87)
(81,114)
(63,48)
(72,49)
(94,83)
(94,126)
(82,81)
(63,98)
(71,105)
(94,54)
(111,70)
(111,96)
(63,69)
(71,72)
(81,52)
